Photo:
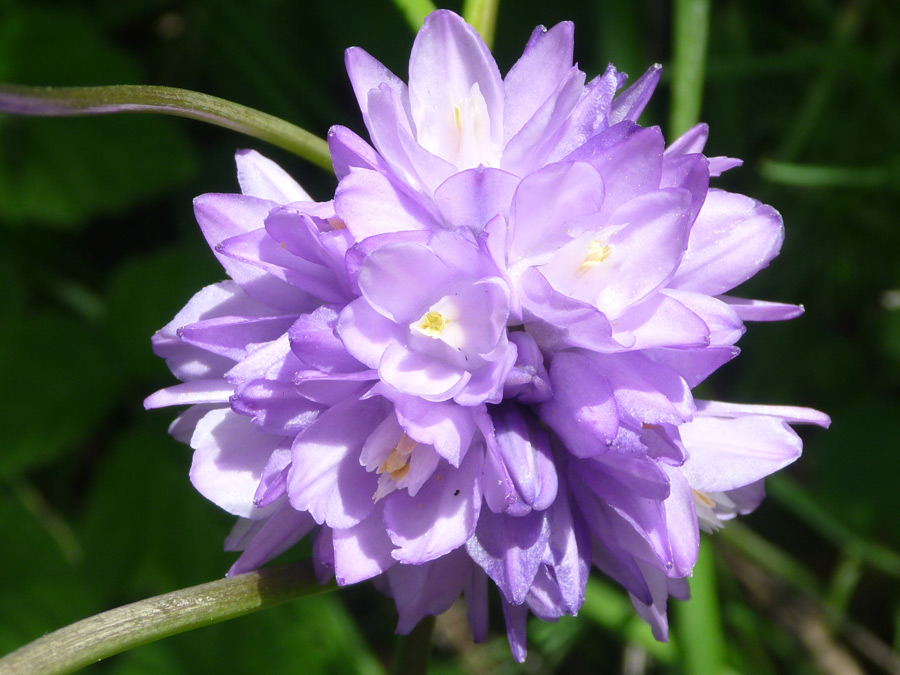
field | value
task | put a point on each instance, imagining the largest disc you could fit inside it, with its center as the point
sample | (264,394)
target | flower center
(596,254)
(432,324)
(395,467)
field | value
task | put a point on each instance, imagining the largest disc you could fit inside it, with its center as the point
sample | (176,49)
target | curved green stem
(70,101)
(482,14)
(414,650)
(415,11)
(90,640)
(691,29)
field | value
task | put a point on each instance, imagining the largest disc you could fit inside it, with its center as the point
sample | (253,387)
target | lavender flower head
(476,362)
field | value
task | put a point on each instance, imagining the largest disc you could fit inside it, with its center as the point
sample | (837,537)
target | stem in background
(415,11)
(699,624)
(690,33)
(414,650)
(90,640)
(72,101)
(482,14)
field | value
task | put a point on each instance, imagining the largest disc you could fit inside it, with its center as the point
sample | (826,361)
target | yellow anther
(336,223)
(596,254)
(703,498)
(432,324)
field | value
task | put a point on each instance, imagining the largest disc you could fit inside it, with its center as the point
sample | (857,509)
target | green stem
(90,640)
(691,29)
(817,176)
(415,11)
(414,650)
(482,14)
(699,621)
(69,101)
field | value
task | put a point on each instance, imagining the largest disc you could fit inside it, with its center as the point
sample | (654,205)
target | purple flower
(476,363)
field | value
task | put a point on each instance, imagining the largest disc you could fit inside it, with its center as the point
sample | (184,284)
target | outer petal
(263,178)
(362,551)
(428,589)
(229,457)
(733,238)
(631,103)
(441,517)
(448,57)
(281,531)
(326,478)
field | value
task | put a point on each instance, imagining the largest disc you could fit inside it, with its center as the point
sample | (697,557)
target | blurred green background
(100,249)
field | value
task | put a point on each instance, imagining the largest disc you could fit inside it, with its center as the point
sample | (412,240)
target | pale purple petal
(280,532)
(229,457)
(428,589)
(759,310)
(189,393)
(362,551)
(263,178)
(631,103)
(441,517)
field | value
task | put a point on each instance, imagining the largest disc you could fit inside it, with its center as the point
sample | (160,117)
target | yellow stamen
(432,324)
(596,254)
(337,224)
(703,498)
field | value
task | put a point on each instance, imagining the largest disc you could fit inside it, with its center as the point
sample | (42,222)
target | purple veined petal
(510,550)
(477,603)
(229,457)
(326,478)
(631,103)
(760,310)
(590,116)
(348,150)
(233,336)
(724,323)
(640,475)
(272,483)
(583,411)
(654,612)
(544,598)
(365,333)
(648,239)
(528,380)
(732,239)
(690,142)
(544,204)
(182,427)
(271,360)
(681,518)
(189,393)
(280,532)
(487,383)
(747,498)
(645,391)
(608,554)
(631,167)
(417,374)
(529,149)
(726,454)
(471,198)
(693,365)
(441,517)
(275,407)
(299,233)
(788,413)
(448,58)
(222,216)
(570,550)
(556,321)
(448,427)
(690,172)
(367,73)
(536,75)
(362,551)
(313,339)
(310,280)
(261,177)
(516,617)
(370,204)
(419,167)
(428,589)
(188,362)
(524,448)
(662,321)
(400,281)
(719,165)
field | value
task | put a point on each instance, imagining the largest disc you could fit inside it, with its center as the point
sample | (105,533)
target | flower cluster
(476,362)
